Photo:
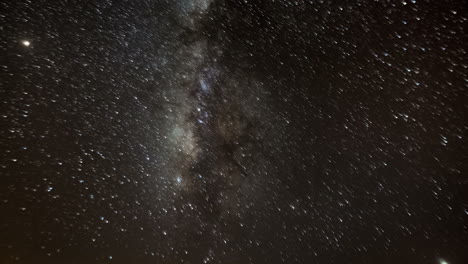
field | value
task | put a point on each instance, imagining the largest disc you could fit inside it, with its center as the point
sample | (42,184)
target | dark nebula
(229,131)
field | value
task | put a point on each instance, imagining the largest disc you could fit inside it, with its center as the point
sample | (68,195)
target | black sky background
(336,132)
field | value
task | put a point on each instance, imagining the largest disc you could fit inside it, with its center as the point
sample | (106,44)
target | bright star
(441,261)
(26,43)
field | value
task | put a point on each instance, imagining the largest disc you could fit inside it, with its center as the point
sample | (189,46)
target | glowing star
(441,261)
(26,43)
(179,180)
(204,85)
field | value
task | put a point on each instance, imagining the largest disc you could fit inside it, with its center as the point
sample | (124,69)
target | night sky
(233,131)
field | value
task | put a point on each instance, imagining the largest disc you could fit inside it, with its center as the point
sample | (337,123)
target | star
(442,261)
(179,180)
(26,43)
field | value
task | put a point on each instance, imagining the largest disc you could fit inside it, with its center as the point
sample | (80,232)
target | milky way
(225,131)
(218,119)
